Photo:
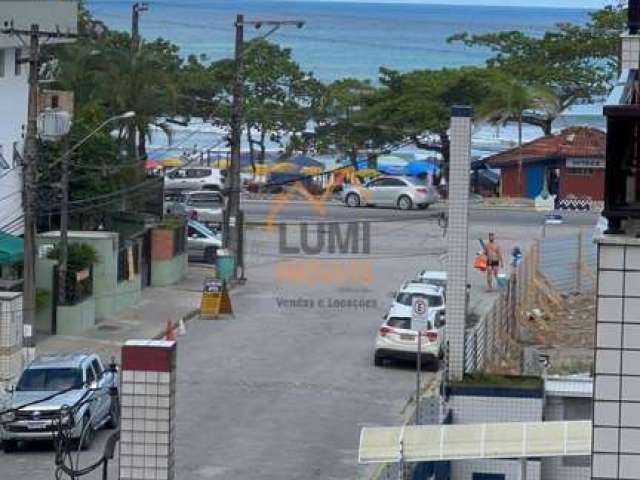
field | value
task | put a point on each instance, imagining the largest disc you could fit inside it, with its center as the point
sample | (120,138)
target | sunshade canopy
(11,249)
(475,441)
(172,162)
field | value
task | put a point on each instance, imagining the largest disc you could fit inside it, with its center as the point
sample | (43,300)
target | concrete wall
(73,319)
(168,272)
(13,116)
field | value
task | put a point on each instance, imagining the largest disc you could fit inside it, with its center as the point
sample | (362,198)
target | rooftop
(574,142)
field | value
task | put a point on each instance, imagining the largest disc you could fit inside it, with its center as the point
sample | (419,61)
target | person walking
(494,260)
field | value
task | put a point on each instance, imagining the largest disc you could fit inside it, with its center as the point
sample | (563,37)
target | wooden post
(579,261)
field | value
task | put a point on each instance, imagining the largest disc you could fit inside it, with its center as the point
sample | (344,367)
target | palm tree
(510,100)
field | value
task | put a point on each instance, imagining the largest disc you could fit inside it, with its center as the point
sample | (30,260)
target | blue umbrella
(417,168)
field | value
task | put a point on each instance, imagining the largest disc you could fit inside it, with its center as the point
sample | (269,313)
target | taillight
(432,336)
(384,331)
(422,190)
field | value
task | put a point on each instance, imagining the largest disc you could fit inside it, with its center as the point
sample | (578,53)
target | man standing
(494,260)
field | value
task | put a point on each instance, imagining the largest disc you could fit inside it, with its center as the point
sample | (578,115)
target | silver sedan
(404,193)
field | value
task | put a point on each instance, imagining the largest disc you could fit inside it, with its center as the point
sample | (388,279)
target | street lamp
(64,212)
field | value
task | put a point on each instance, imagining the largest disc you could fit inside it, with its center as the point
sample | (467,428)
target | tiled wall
(11,332)
(616,411)
(458,237)
(630,51)
(147,443)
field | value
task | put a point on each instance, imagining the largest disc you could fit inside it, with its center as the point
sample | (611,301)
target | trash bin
(225,265)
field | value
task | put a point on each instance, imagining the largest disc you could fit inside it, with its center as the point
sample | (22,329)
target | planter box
(166,243)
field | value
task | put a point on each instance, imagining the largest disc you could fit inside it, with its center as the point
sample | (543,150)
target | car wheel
(9,446)
(378,361)
(353,200)
(405,203)
(210,255)
(114,414)
(87,433)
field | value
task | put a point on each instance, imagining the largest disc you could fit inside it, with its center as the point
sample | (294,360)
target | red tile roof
(570,142)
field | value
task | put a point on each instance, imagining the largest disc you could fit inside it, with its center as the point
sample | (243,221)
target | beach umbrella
(311,171)
(172,162)
(283,167)
(222,164)
(415,169)
(368,173)
(151,164)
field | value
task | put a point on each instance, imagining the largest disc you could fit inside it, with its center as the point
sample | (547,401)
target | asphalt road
(260,211)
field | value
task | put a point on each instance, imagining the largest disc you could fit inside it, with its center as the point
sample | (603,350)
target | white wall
(13,116)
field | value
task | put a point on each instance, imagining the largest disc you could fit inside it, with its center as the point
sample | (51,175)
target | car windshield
(201,228)
(50,379)
(205,200)
(437,283)
(406,298)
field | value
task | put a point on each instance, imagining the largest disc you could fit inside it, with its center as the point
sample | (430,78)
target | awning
(11,249)
(476,441)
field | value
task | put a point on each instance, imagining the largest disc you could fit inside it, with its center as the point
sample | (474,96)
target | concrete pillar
(148,389)
(616,406)
(630,51)
(457,236)
(11,355)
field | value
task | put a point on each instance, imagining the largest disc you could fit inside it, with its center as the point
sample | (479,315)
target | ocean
(342,40)
(339,39)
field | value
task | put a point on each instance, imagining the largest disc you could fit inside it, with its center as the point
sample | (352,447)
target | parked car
(203,206)
(194,178)
(404,193)
(397,338)
(82,377)
(437,278)
(432,294)
(170,199)
(202,242)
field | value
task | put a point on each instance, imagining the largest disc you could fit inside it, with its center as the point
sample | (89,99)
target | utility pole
(232,228)
(29,181)
(135,24)
(135,48)
(64,226)
(29,197)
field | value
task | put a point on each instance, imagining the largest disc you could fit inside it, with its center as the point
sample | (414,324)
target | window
(18,64)
(406,298)
(193,232)
(400,322)
(97,367)
(49,379)
(2,54)
(89,375)
(394,182)
(198,173)
(205,200)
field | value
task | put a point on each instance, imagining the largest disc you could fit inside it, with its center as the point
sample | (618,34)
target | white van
(194,178)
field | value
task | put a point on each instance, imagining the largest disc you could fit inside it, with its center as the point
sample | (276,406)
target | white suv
(397,338)
(194,178)
(432,294)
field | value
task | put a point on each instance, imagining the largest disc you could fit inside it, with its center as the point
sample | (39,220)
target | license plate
(405,336)
(36,425)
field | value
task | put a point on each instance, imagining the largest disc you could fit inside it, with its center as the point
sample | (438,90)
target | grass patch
(500,381)
(171,222)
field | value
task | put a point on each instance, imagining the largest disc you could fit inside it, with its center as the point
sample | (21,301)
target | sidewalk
(146,319)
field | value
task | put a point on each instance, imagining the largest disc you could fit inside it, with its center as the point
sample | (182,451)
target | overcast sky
(510,3)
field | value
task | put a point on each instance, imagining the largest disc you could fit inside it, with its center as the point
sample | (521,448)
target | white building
(49,15)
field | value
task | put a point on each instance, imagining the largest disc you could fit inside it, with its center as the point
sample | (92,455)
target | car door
(394,187)
(103,380)
(195,242)
(97,403)
(375,192)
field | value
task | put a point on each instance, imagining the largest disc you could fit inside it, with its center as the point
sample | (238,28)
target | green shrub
(172,222)
(80,256)
(42,298)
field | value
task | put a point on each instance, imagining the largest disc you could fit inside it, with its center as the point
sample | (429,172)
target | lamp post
(64,187)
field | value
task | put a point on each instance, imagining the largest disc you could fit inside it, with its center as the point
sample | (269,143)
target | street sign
(419,311)
(215,299)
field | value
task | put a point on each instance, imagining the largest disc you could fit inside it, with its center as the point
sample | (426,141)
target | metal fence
(568,262)
(488,340)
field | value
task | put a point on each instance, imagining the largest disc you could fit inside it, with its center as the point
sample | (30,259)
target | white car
(432,294)
(194,178)
(437,278)
(397,338)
